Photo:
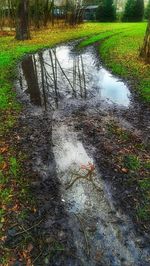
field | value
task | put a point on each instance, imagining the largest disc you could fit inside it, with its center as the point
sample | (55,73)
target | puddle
(54,76)
(102,235)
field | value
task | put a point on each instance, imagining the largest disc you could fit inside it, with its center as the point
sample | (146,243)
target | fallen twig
(88,176)
(28,229)
(84,232)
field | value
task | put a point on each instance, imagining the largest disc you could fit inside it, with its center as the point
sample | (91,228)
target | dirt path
(78,126)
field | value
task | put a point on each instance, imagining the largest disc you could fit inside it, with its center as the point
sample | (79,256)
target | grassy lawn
(119,52)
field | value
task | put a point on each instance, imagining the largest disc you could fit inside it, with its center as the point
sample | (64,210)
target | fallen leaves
(124,170)
(90,166)
(30,247)
(3,166)
(3,149)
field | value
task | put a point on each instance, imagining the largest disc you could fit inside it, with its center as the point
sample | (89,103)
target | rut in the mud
(64,85)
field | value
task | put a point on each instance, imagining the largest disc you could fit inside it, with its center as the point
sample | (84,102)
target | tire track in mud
(108,236)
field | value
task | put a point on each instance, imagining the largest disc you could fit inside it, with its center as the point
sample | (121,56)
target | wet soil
(87,202)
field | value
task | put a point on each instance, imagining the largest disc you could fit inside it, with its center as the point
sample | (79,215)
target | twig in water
(28,229)
(88,176)
(38,257)
(84,232)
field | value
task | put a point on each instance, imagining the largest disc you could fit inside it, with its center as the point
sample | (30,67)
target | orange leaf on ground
(3,149)
(124,170)
(4,166)
(30,247)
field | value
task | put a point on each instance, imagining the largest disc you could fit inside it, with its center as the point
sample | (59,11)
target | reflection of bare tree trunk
(55,63)
(74,76)
(35,69)
(80,77)
(63,72)
(20,81)
(84,80)
(42,78)
(31,79)
(54,75)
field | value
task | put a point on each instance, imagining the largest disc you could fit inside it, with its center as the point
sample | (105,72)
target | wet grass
(15,195)
(132,160)
(143,211)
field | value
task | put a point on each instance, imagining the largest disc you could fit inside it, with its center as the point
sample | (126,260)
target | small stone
(49,240)
(61,235)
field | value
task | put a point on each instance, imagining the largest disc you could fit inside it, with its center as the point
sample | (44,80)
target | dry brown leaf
(4,165)
(124,170)
(3,149)
(30,247)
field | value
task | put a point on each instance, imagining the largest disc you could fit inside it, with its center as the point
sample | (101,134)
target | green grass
(16,201)
(144,210)
(132,162)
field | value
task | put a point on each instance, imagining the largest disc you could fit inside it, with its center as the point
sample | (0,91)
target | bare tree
(22,20)
(145,51)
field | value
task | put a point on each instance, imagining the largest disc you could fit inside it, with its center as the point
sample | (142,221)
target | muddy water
(103,236)
(60,81)
(58,74)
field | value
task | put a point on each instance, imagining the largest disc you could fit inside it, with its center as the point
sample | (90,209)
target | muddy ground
(108,133)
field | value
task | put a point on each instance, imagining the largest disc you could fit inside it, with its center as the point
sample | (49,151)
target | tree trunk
(37,14)
(145,51)
(52,12)
(47,11)
(22,21)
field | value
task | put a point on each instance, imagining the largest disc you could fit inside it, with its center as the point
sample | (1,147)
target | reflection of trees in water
(46,80)
(30,74)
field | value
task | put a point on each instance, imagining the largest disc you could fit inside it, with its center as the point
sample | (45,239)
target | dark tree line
(147,10)
(106,11)
(134,10)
